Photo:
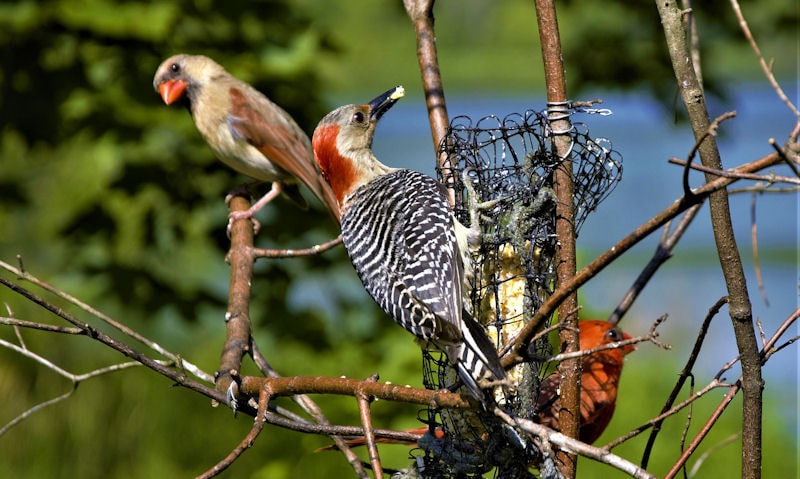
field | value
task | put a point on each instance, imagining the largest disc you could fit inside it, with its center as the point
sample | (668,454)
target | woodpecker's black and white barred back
(400,234)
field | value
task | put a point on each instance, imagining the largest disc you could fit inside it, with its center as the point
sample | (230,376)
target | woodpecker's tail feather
(476,358)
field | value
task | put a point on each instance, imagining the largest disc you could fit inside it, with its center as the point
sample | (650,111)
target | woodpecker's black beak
(384,101)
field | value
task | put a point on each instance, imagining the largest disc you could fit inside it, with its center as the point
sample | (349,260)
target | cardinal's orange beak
(171,90)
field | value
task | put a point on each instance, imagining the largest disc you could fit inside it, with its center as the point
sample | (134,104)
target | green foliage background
(114,198)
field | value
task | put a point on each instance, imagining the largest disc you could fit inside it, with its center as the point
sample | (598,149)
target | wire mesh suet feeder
(508,164)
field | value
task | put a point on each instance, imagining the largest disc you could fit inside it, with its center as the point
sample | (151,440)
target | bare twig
(769,348)
(768,178)
(734,388)
(688,421)
(650,337)
(662,254)
(791,162)
(573,445)
(247,442)
(17,330)
(19,323)
(764,66)
(345,431)
(704,431)
(161,367)
(711,131)
(293,253)
(310,407)
(715,383)
(684,374)
(754,242)
(75,379)
(185,365)
(30,412)
(764,189)
(369,433)
(709,452)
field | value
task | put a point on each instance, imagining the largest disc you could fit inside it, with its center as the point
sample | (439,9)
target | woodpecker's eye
(358,117)
(175,67)
(614,334)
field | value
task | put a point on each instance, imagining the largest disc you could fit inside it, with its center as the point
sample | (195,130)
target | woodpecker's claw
(230,396)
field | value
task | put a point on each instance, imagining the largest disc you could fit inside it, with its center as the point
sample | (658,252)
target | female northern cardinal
(599,380)
(245,129)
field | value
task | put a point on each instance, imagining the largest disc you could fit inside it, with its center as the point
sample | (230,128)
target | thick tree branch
(237,317)
(564,187)
(289,386)
(739,306)
(421,14)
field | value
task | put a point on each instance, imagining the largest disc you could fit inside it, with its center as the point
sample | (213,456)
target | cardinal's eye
(614,334)
(358,117)
(175,67)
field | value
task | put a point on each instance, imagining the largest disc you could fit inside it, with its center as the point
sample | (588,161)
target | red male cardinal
(599,380)
(245,129)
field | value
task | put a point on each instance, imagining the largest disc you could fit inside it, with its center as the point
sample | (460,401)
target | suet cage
(506,165)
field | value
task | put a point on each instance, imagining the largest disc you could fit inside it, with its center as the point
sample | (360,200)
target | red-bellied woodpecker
(403,240)
(245,129)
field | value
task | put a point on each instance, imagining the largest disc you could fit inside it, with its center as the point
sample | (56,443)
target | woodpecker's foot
(474,206)
(494,383)
(230,396)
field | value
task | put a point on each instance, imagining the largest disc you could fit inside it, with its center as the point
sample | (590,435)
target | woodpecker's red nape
(339,171)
